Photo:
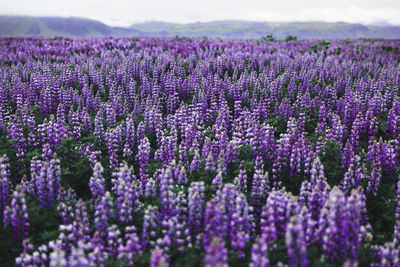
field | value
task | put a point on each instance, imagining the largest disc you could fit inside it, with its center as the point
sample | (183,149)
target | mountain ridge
(12,26)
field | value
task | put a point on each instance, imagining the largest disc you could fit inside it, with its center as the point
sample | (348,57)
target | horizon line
(104,21)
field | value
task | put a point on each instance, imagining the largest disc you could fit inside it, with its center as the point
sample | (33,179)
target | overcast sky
(125,12)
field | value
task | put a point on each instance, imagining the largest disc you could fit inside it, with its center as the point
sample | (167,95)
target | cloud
(350,14)
(125,12)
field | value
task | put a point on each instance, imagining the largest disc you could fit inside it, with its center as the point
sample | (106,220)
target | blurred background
(212,18)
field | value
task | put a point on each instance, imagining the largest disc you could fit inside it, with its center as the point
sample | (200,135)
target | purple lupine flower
(5,184)
(78,256)
(131,248)
(296,242)
(196,162)
(65,208)
(159,258)
(97,182)
(354,175)
(260,186)
(214,226)
(46,181)
(99,126)
(210,163)
(103,214)
(150,190)
(241,225)
(315,192)
(259,252)
(128,191)
(80,224)
(143,157)
(113,240)
(217,181)
(58,256)
(216,253)
(388,255)
(150,226)
(168,197)
(396,234)
(196,207)
(340,224)
(241,180)
(16,215)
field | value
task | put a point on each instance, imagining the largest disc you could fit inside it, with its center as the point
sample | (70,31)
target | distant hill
(81,27)
(247,29)
(57,26)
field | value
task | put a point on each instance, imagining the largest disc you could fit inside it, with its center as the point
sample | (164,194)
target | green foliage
(381,212)
(325,44)
(189,258)
(75,168)
(278,252)
(332,161)
(43,223)
(290,38)
(279,123)
(8,250)
(268,38)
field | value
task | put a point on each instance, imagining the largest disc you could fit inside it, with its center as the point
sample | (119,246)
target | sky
(125,12)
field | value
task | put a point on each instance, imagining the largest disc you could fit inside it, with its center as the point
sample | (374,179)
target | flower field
(199,152)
